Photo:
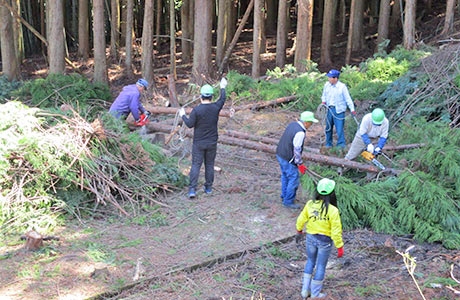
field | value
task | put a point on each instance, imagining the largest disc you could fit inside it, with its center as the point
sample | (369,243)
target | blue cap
(143,83)
(333,73)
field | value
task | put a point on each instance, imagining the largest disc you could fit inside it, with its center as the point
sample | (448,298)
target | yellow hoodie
(329,224)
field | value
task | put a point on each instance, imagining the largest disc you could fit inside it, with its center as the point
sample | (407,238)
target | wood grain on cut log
(34,240)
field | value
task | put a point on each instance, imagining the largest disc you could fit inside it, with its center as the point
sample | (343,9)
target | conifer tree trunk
(123,18)
(449,21)
(355,31)
(263,35)
(384,18)
(172,38)
(409,24)
(373,9)
(100,63)
(395,19)
(232,20)
(185,21)
(328,29)
(83,29)
(304,34)
(147,43)
(257,38)
(129,21)
(10,67)
(221,31)
(158,22)
(56,38)
(281,34)
(271,16)
(74,17)
(114,28)
(202,40)
(17,29)
(342,16)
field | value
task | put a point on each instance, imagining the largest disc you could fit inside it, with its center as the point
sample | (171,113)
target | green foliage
(241,85)
(55,90)
(7,87)
(45,169)
(386,69)
(423,202)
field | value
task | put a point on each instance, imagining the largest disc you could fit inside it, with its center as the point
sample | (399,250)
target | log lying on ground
(252,137)
(318,158)
(225,112)
(403,147)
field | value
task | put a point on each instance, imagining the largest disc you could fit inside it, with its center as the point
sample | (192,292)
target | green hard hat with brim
(206,90)
(325,186)
(308,116)
(378,115)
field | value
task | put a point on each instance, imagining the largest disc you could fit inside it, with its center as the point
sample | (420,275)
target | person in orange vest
(324,227)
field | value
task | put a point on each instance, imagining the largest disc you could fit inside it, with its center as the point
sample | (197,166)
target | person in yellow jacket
(323,227)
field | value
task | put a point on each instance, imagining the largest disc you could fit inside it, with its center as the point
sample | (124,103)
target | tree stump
(34,241)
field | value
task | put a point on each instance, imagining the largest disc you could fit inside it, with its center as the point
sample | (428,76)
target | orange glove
(302,168)
(340,252)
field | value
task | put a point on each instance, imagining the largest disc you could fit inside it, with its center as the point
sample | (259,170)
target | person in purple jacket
(128,101)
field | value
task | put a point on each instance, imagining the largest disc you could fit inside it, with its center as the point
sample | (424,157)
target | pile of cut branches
(50,162)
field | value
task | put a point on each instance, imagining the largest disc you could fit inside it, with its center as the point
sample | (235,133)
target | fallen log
(225,112)
(318,158)
(263,104)
(403,147)
(257,138)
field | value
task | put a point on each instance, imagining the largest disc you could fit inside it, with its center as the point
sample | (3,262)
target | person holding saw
(336,98)
(289,155)
(373,125)
(128,102)
(204,119)
(323,227)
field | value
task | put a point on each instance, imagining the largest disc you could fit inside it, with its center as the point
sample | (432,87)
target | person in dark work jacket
(203,119)
(289,155)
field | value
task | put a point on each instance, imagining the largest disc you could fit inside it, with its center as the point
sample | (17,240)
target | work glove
(223,83)
(298,237)
(377,151)
(181,112)
(340,252)
(370,148)
(354,113)
(323,103)
(302,168)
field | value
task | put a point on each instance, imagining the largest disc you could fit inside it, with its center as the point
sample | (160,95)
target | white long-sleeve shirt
(372,130)
(337,95)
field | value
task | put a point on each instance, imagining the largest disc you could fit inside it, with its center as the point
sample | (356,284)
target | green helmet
(378,116)
(308,116)
(325,186)
(206,90)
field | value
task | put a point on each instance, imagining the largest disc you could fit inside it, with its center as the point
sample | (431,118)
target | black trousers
(200,152)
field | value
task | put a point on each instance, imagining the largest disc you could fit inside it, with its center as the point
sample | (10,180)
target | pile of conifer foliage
(51,162)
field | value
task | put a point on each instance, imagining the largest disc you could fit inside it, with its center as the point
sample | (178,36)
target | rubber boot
(306,285)
(316,286)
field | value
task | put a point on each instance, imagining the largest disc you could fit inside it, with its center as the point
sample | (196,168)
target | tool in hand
(143,119)
(371,157)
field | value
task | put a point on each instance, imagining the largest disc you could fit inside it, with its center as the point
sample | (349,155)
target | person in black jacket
(289,155)
(203,119)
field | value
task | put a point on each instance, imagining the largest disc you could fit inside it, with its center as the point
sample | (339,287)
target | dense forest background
(139,36)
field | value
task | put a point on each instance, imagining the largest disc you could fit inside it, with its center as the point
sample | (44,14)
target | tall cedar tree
(257,38)
(56,38)
(202,40)
(100,63)
(409,24)
(83,29)
(147,43)
(304,34)
(10,67)
(281,34)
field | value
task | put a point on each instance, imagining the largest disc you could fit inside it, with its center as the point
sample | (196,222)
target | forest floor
(242,224)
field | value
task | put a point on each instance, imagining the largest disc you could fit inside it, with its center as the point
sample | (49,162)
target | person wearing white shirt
(336,97)
(373,125)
